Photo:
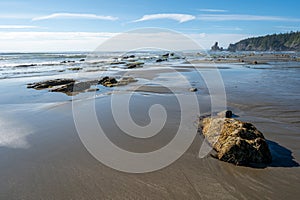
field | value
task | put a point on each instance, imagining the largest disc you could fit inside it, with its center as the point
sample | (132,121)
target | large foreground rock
(236,141)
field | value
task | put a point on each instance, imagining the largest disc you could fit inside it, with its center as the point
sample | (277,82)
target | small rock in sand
(225,113)
(193,89)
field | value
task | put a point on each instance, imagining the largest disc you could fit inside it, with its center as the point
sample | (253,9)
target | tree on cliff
(276,42)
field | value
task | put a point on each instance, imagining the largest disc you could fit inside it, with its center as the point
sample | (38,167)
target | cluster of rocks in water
(71,61)
(72,87)
(127,61)
(235,141)
(166,56)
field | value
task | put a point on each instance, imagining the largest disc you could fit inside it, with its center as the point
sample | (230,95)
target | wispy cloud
(74,15)
(32,41)
(227,28)
(88,41)
(17,27)
(212,10)
(288,27)
(177,17)
(15,16)
(219,17)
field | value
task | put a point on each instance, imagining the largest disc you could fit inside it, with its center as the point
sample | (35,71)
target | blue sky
(79,25)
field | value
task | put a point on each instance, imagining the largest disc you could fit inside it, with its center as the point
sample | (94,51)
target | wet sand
(46,159)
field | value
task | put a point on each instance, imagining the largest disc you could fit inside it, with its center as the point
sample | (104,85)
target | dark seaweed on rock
(235,141)
(50,83)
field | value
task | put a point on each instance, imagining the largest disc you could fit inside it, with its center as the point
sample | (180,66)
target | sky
(50,25)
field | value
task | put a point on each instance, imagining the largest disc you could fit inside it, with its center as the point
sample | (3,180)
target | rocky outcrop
(75,68)
(216,47)
(72,87)
(161,60)
(134,65)
(235,141)
(50,83)
(126,81)
(275,42)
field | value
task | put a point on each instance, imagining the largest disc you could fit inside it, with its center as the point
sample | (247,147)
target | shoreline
(49,161)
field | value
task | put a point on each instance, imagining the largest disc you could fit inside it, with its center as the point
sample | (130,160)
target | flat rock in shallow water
(50,83)
(70,87)
(235,141)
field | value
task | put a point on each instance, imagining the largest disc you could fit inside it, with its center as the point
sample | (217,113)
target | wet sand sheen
(57,166)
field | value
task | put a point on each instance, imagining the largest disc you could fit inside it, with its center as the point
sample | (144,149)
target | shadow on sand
(281,156)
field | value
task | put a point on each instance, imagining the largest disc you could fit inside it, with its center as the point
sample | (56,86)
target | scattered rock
(108,81)
(255,62)
(117,63)
(193,89)
(70,87)
(75,68)
(29,65)
(235,141)
(165,55)
(161,60)
(134,65)
(67,61)
(127,57)
(126,81)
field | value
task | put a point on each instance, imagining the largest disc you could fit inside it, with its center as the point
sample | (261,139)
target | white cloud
(288,27)
(218,17)
(212,10)
(89,41)
(51,41)
(74,15)
(177,17)
(17,27)
(225,28)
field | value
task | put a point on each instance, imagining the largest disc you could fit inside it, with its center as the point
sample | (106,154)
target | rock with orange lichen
(235,141)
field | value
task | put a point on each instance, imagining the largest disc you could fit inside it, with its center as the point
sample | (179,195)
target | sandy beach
(42,156)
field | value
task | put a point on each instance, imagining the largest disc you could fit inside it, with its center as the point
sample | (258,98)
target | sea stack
(216,47)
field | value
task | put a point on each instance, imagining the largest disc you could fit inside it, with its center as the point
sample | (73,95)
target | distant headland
(276,42)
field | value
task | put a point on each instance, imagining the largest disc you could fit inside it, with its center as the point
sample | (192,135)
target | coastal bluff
(276,42)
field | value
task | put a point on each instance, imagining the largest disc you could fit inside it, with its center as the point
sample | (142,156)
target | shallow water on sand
(42,157)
